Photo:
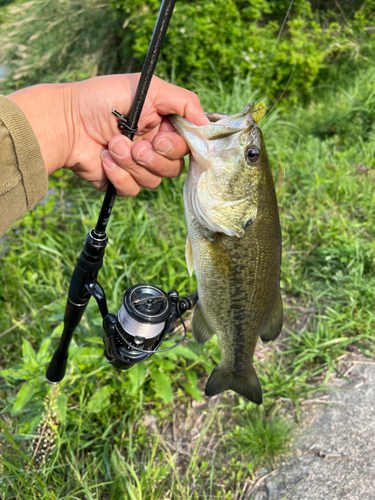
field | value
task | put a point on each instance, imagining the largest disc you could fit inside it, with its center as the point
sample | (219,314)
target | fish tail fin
(222,379)
(274,324)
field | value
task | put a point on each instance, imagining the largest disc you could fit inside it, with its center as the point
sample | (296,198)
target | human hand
(75,129)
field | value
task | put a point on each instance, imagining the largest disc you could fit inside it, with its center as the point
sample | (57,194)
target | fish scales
(235,247)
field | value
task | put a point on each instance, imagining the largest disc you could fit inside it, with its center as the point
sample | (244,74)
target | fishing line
(294,65)
(148,351)
(282,95)
(136,328)
(276,43)
(284,200)
(278,101)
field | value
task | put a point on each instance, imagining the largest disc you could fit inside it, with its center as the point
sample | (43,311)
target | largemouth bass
(234,244)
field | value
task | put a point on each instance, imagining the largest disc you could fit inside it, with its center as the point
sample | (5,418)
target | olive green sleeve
(23,177)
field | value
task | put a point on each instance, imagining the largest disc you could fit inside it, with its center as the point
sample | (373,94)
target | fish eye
(252,154)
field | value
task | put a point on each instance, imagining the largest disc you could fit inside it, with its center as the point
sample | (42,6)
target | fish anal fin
(222,379)
(202,331)
(274,324)
(189,255)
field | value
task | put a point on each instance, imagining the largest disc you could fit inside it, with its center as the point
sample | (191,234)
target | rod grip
(57,367)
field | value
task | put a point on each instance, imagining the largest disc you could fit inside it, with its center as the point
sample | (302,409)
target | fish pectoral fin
(234,217)
(222,379)
(202,331)
(275,322)
(222,258)
(189,256)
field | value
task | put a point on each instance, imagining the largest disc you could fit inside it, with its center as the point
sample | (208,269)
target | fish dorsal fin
(274,324)
(189,255)
(259,112)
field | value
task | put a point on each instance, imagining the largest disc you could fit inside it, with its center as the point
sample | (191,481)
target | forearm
(23,179)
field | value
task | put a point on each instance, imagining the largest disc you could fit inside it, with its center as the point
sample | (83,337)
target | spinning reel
(146,316)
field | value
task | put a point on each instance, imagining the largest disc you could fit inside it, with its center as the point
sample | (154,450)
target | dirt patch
(335,455)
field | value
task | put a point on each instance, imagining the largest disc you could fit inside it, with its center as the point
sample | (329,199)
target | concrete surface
(334,457)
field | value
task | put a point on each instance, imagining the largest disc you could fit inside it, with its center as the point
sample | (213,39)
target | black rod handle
(57,367)
(85,273)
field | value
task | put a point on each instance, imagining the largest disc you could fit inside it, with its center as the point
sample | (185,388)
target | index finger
(170,99)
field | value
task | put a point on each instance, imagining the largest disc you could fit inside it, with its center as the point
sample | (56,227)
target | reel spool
(143,315)
(146,316)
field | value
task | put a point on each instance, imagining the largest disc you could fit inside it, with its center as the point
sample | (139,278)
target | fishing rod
(147,314)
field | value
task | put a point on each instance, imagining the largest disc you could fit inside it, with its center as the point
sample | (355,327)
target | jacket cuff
(27,152)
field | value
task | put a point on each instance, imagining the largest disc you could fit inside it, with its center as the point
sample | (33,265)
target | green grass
(149,433)
(267,436)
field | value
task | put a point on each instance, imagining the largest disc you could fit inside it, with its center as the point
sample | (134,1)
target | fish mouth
(221,125)
(201,139)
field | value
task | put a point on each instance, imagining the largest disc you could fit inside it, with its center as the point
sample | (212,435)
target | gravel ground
(334,458)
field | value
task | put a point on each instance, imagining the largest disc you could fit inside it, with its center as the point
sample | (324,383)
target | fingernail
(145,155)
(120,148)
(163,146)
(108,160)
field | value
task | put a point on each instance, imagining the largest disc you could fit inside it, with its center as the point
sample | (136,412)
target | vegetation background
(149,433)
